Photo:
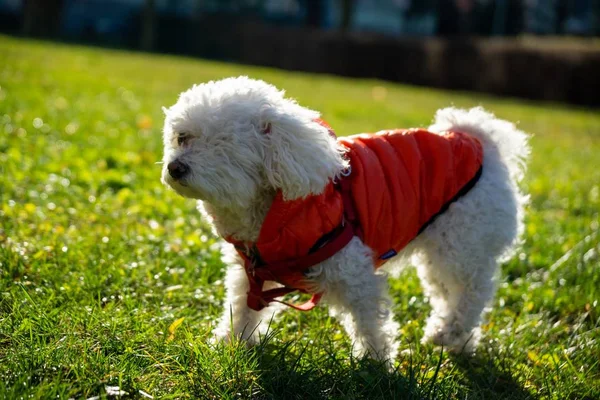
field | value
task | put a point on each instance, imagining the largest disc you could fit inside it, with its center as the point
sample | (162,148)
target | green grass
(98,259)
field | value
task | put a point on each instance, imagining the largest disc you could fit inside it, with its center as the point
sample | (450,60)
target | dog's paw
(221,336)
(226,337)
(385,355)
(452,337)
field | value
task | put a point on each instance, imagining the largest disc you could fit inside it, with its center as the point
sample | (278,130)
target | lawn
(111,283)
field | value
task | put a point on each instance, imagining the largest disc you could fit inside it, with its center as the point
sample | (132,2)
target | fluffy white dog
(234,144)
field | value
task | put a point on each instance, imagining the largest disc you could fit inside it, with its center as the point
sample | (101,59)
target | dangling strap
(307,306)
(259,299)
(257,275)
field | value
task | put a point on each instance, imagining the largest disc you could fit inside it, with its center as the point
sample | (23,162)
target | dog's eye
(183,138)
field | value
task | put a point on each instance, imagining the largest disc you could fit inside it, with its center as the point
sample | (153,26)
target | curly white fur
(235,170)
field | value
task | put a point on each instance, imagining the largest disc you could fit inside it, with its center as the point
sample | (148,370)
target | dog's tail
(497,136)
(505,152)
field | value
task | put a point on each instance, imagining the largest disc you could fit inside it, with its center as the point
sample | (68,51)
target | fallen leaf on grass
(533,357)
(173,327)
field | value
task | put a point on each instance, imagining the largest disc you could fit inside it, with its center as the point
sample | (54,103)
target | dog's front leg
(238,320)
(358,297)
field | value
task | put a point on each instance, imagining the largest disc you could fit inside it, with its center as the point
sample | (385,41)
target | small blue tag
(388,254)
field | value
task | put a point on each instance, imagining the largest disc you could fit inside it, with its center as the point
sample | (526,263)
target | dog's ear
(301,157)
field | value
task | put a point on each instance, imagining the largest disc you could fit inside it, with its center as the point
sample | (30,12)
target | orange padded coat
(398,182)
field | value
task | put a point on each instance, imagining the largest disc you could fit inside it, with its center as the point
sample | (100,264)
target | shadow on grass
(324,370)
(290,375)
(490,377)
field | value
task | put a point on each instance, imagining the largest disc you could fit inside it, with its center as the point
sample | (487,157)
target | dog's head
(227,140)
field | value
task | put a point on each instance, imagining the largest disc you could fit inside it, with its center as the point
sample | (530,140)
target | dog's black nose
(177,169)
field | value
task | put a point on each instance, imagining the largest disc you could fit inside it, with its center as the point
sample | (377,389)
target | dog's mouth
(183,188)
(178,184)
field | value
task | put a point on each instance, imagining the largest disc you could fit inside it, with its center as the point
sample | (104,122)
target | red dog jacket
(398,182)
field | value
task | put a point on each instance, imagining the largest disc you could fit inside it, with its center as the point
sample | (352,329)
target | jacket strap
(259,298)
(345,187)
(303,263)
(463,191)
(258,272)
(307,306)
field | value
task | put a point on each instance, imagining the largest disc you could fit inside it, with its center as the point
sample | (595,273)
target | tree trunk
(314,13)
(42,17)
(347,12)
(562,10)
(448,19)
(515,19)
(596,17)
(148,25)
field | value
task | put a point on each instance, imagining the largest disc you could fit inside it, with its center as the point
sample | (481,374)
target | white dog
(235,144)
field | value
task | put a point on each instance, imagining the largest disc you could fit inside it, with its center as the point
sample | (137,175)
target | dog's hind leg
(462,247)
(458,293)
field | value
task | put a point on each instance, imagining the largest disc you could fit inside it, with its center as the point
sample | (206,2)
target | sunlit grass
(99,262)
